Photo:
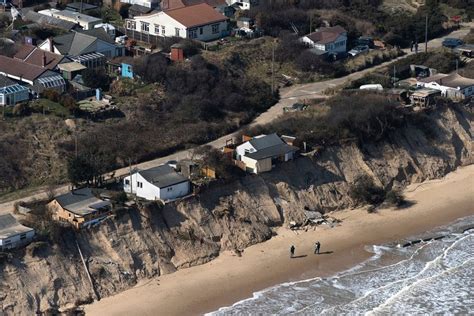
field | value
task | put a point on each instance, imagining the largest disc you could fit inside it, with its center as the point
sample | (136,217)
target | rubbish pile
(314,218)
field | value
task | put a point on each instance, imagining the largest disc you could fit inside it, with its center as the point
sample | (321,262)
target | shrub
(51,95)
(21,109)
(96,78)
(69,103)
(395,197)
(119,198)
(365,191)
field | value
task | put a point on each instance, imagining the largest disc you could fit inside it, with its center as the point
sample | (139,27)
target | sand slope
(229,278)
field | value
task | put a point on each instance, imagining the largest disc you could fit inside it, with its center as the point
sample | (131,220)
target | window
(145,27)
(170,189)
(201,30)
(127,182)
(176,32)
(157,29)
(215,28)
(192,33)
(163,30)
(139,184)
(131,25)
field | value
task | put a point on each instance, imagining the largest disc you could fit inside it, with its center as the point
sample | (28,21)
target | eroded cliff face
(149,242)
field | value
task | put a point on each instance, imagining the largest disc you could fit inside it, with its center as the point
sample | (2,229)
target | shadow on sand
(300,256)
(325,253)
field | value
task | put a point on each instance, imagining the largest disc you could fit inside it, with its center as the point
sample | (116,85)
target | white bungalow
(201,22)
(158,183)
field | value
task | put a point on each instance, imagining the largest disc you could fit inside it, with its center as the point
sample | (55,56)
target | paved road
(288,96)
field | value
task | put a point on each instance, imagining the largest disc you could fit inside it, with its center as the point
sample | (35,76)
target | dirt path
(288,96)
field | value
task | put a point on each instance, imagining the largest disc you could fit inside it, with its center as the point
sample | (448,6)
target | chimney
(51,46)
(43,63)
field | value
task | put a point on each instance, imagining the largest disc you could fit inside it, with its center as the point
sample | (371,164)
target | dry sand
(229,278)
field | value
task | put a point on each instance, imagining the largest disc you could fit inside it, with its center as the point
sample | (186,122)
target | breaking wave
(429,276)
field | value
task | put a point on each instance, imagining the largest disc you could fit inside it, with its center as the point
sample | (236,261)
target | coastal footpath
(153,245)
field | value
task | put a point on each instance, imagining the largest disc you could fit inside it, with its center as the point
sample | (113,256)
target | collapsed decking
(79,207)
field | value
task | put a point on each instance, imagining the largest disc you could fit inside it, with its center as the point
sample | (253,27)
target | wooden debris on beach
(314,218)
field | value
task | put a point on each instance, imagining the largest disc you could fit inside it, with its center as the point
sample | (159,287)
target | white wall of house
(46,46)
(241,150)
(161,24)
(175,191)
(145,3)
(86,24)
(338,46)
(144,189)
(17,240)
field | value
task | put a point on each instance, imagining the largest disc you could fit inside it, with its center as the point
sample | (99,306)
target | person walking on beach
(292,251)
(317,247)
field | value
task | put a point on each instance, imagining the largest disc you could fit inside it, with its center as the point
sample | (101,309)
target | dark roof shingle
(260,143)
(18,68)
(34,56)
(273,151)
(162,176)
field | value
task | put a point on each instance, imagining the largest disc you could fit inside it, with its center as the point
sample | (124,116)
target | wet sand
(229,278)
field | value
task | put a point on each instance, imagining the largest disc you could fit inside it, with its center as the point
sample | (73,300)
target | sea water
(429,277)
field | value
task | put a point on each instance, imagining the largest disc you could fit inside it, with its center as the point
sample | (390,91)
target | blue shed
(127,71)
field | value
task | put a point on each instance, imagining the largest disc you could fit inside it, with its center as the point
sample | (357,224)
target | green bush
(364,191)
(395,197)
(119,198)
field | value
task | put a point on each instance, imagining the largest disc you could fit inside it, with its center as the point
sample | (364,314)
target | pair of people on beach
(317,248)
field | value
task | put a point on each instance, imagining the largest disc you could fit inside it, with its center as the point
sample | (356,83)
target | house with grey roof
(260,153)
(158,183)
(14,234)
(80,208)
(43,20)
(87,46)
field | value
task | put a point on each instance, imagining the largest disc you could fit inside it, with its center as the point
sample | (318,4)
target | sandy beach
(229,278)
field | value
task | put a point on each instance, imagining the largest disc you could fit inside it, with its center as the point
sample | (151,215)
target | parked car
(452,42)
(365,41)
(359,50)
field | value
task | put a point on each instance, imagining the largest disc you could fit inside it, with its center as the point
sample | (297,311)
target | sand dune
(230,278)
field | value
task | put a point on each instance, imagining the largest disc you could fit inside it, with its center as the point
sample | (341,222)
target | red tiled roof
(326,35)
(34,56)
(212,3)
(167,5)
(23,51)
(200,14)
(18,68)
(172,4)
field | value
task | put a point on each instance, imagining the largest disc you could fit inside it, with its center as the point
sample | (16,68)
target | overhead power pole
(426,34)
(273,68)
